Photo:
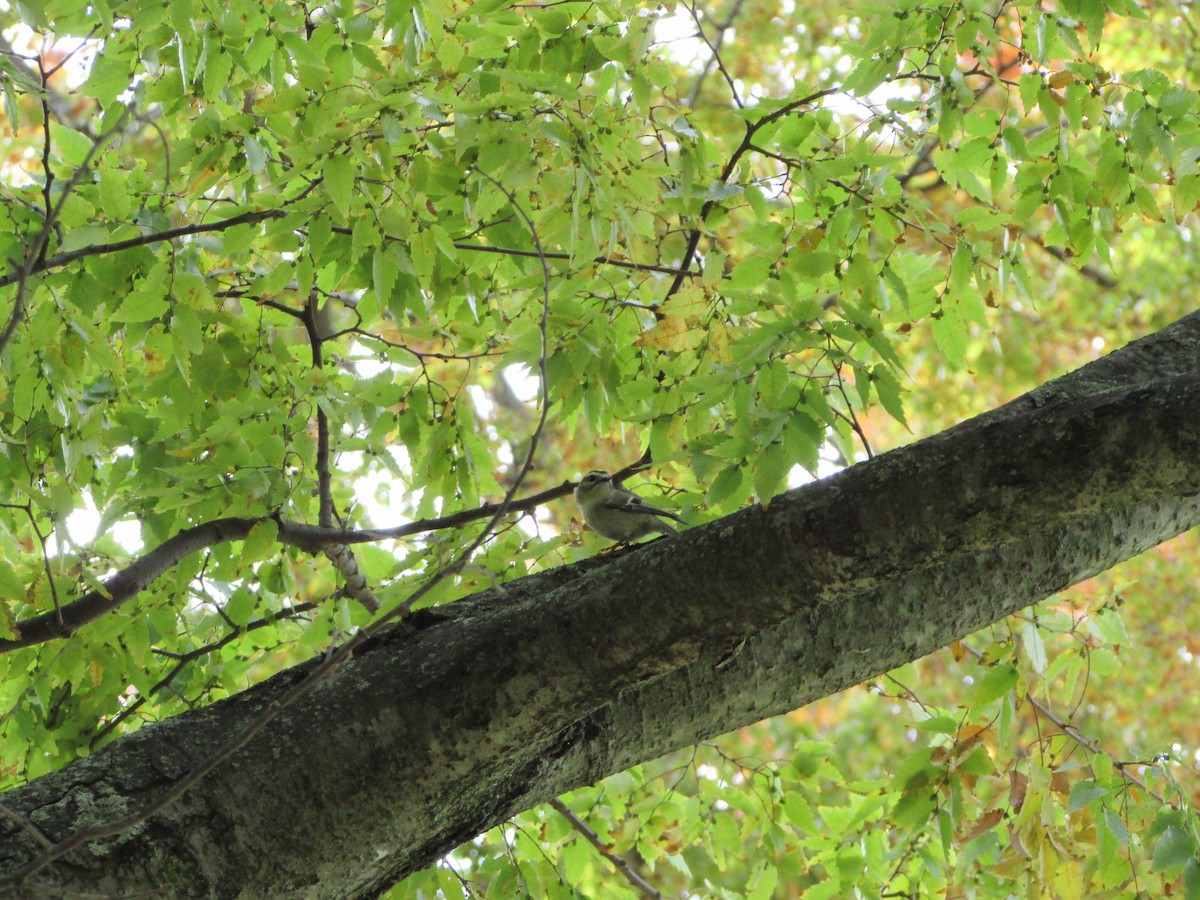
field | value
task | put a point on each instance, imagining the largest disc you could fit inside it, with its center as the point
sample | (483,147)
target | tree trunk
(462,716)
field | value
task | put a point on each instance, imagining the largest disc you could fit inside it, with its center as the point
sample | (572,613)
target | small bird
(616,513)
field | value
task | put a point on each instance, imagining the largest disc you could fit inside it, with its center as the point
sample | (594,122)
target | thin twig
(598,260)
(35,256)
(619,862)
(182,660)
(715,44)
(63,259)
(1074,733)
(752,128)
(27,826)
(316,342)
(714,47)
(354,582)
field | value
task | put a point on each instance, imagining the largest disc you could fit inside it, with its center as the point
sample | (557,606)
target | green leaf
(1174,847)
(71,146)
(261,543)
(726,485)
(996,683)
(218,66)
(240,606)
(1191,879)
(750,273)
(1031,637)
(114,196)
(1116,826)
(950,333)
(763,883)
(339,183)
(142,305)
(384,271)
(799,812)
(1084,793)
(770,472)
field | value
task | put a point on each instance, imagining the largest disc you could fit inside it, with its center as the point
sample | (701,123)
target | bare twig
(1073,732)
(28,827)
(60,105)
(619,862)
(681,273)
(714,45)
(354,582)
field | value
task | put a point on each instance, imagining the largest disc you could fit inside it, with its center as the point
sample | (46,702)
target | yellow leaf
(663,336)
(718,341)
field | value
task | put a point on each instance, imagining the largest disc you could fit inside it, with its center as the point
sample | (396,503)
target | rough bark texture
(465,715)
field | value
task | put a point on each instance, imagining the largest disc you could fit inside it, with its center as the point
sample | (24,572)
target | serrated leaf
(218,66)
(1116,827)
(1191,880)
(800,813)
(1083,793)
(240,606)
(1174,848)
(364,235)
(764,885)
(998,682)
(750,273)
(339,183)
(383,274)
(260,543)
(113,194)
(950,334)
(256,155)
(725,485)
(890,393)
(71,146)
(141,306)
(1031,637)
(770,472)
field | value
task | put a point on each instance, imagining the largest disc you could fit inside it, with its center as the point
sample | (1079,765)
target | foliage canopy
(334,263)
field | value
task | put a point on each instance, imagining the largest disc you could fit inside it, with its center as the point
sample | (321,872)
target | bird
(616,513)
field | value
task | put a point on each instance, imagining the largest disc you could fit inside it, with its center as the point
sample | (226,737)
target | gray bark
(462,716)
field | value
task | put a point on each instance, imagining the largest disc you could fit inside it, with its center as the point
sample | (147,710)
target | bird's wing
(637,506)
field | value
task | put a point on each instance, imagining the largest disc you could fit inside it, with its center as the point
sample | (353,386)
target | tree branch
(599,260)
(752,128)
(619,862)
(137,576)
(35,255)
(248,730)
(466,714)
(55,262)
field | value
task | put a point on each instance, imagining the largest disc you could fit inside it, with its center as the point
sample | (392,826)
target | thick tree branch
(459,717)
